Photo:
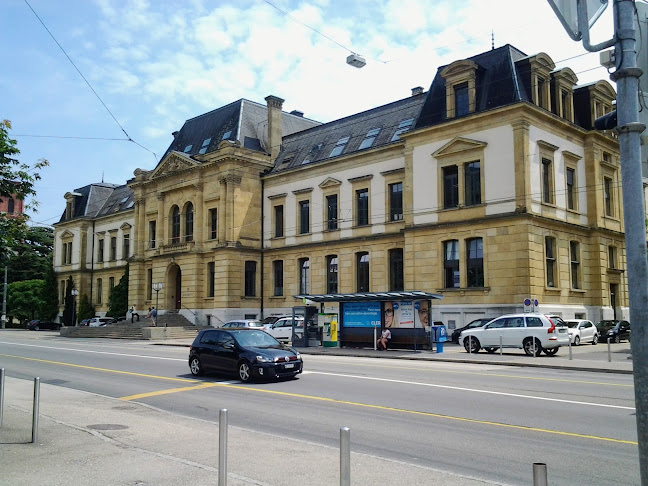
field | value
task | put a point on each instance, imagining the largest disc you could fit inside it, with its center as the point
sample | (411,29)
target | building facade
(491,189)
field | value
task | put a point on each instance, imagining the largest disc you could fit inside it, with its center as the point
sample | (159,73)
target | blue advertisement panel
(361,314)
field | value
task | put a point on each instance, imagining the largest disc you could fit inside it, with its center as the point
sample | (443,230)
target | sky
(82,77)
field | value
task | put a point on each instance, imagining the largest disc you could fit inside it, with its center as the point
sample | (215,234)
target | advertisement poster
(399,314)
(422,308)
(361,314)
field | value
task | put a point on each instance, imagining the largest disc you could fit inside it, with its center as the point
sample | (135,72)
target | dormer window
(402,127)
(339,147)
(205,146)
(187,149)
(461,93)
(461,99)
(369,139)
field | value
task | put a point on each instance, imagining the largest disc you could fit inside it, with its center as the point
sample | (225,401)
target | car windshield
(606,325)
(255,339)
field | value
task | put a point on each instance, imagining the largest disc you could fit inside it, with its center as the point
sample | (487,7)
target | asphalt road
(478,420)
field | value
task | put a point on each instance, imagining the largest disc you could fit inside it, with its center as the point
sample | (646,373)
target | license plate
(289,365)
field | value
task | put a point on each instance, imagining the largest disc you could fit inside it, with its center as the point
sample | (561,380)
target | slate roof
(316,144)
(242,120)
(100,199)
(498,83)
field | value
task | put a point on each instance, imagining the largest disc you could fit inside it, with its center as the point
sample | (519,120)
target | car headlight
(263,359)
(298,355)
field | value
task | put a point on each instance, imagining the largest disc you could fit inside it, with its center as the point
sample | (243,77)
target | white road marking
(95,352)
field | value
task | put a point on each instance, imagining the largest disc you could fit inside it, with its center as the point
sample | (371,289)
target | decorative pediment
(174,162)
(67,234)
(458,145)
(125,227)
(329,182)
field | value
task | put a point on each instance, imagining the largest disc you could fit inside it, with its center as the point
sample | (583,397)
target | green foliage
(86,311)
(118,300)
(31,254)
(24,299)
(49,297)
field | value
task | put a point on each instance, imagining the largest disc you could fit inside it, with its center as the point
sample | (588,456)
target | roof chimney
(417,91)
(274,125)
(297,113)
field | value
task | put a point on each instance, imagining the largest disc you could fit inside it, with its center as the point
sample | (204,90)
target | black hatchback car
(613,330)
(247,353)
(471,325)
(37,325)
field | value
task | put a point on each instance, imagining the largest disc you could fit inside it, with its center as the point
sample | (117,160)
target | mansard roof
(317,144)
(100,199)
(243,121)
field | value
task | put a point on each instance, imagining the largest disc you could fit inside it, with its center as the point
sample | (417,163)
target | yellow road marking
(323,399)
(171,390)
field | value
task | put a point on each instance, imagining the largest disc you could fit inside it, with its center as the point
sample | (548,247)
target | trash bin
(438,334)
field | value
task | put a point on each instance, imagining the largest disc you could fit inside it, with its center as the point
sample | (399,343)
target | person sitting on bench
(383,340)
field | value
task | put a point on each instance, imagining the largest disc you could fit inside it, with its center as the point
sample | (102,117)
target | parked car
(248,353)
(37,325)
(582,331)
(471,325)
(117,320)
(243,323)
(99,321)
(613,330)
(282,328)
(84,322)
(531,332)
(270,319)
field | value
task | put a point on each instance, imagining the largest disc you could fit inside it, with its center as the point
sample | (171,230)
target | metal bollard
(501,347)
(540,474)
(470,344)
(2,380)
(570,350)
(222,447)
(345,456)
(35,413)
(609,350)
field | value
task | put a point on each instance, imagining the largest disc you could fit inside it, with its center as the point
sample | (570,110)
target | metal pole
(345,456)
(375,338)
(540,474)
(222,447)
(35,413)
(570,350)
(609,350)
(629,131)
(2,380)
(470,344)
(4,301)
(501,347)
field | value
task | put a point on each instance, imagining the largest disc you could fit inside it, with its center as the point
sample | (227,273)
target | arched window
(175,225)
(189,220)
(11,208)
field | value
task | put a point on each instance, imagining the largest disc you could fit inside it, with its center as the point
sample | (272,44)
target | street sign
(567,13)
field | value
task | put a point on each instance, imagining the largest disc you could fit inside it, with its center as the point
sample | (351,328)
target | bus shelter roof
(371,296)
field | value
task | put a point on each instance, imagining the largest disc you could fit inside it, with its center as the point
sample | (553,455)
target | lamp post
(74,293)
(157,287)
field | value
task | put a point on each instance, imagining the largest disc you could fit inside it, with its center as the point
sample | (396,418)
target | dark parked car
(614,330)
(472,324)
(247,353)
(37,325)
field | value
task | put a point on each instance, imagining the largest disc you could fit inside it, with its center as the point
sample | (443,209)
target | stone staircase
(137,330)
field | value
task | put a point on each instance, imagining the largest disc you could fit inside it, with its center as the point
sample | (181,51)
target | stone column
(199,215)
(521,165)
(161,222)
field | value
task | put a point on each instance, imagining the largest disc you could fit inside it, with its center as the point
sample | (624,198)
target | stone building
(491,189)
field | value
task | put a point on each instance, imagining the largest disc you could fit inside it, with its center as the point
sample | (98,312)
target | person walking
(134,313)
(154,316)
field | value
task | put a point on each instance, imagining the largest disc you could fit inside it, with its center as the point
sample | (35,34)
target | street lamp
(74,293)
(157,287)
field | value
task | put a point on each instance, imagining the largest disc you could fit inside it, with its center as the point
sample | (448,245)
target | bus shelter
(362,316)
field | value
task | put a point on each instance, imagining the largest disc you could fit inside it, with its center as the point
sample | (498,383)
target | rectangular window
(149,284)
(402,127)
(111,283)
(362,272)
(461,99)
(99,291)
(100,251)
(304,275)
(450,187)
(152,236)
(126,247)
(574,257)
(332,212)
(396,202)
(451,264)
(541,93)
(211,279)
(550,259)
(362,207)
(339,146)
(472,176)
(607,188)
(250,278)
(304,217)
(279,221)
(396,270)
(331,274)
(213,224)
(547,181)
(369,139)
(475,262)
(277,271)
(563,101)
(189,223)
(612,257)
(113,248)
(571,198)
(69,253)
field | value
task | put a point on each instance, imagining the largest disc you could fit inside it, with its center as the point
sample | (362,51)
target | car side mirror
(228,346)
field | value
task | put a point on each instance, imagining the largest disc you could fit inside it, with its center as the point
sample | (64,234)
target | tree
(118,299)
(86,311)
(32,254)
(68,309)
(24,299)
(49,296)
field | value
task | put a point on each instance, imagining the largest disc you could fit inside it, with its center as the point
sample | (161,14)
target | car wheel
(244,371)
(576,341)
(36,328)
(551,351)
(490,350)
(595,340)
(475,345)
(195,367)
(616,339)
(528,347)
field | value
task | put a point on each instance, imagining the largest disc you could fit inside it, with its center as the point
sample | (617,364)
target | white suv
(531,332)
(282,328)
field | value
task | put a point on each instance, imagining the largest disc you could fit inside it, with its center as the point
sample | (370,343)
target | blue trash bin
(439,336)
